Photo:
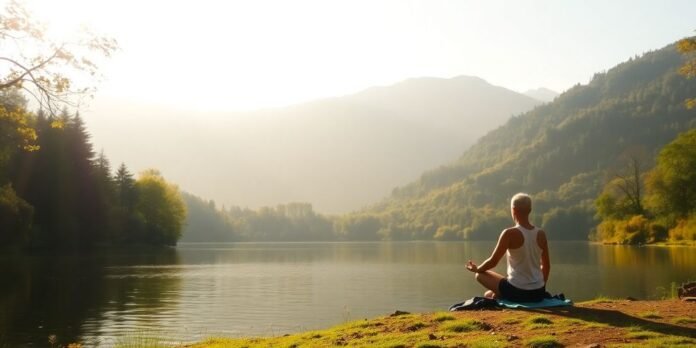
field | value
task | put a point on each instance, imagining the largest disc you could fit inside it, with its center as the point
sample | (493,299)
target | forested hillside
(561,152)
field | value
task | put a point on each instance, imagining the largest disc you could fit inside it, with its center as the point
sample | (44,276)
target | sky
(213,56)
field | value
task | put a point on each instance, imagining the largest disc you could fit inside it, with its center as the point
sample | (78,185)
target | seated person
(528,263)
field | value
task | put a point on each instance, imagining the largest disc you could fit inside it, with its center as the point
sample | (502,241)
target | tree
(15,217)
(688,47)
(162,208)
(46,69)
(672,183)
(15,130)
(125,188)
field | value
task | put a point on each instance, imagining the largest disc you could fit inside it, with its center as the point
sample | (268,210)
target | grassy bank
(599,323)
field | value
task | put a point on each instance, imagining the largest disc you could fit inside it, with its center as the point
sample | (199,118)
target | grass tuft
(511,321)
(487,342)
(543,342)
(684,320)
(538,321)
(416,326)
(440,317)
(466,326)
(671,341)
(642,335)
(650,315)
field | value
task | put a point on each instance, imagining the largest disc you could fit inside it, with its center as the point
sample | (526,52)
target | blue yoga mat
(547,302)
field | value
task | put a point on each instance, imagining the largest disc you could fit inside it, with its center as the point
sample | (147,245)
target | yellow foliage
(687,46)
(685,229)
(161,206)
(15,124)
(637,229)
(691,103)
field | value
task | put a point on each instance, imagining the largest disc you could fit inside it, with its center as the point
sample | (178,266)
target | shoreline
(596,323)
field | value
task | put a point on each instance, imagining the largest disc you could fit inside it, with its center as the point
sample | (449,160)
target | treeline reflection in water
(197,290)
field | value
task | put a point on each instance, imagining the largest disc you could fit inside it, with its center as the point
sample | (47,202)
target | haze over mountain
(338,153)
(560,152)
(542,94)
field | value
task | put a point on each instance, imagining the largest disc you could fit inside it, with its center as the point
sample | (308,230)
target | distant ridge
(542,94)
(338,153)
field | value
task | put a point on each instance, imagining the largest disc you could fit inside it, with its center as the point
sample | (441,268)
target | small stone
(512,338)
(432,336)
(492,332)
(629,298)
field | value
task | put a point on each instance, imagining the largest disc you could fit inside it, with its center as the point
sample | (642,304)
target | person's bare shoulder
(514,236)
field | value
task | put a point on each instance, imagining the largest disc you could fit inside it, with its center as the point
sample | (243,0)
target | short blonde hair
(521,200)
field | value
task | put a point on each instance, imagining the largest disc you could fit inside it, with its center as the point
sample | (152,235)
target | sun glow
(232,55)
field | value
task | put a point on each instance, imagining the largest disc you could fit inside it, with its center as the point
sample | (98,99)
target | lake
(198,290)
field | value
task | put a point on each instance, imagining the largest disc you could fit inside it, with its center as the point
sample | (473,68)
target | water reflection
(71,295)
(198,290)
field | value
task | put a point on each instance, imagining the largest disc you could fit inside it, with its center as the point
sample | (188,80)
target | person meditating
(528,263)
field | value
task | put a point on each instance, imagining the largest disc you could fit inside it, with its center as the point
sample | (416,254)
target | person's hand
(471,266)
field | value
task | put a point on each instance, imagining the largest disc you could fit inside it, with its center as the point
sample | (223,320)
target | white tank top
(524,263)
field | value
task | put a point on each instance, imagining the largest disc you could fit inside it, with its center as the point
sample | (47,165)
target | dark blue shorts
(509,292)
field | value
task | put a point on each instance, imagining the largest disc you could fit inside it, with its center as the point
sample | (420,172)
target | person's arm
(493,260)
(545,261)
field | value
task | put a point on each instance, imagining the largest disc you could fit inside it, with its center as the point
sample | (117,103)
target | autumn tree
(47,69)
(688,48)
(161,207)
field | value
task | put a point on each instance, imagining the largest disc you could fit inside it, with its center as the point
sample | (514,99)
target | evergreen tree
(125,188)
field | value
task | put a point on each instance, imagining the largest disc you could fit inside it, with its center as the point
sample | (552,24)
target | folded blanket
(486,303)
(547,302)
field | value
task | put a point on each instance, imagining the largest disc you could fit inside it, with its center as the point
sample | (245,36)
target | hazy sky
(232,55)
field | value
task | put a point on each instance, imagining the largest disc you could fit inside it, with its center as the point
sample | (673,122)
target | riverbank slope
(598,323)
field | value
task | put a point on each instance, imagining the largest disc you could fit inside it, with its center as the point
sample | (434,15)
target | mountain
(560,152)
(542,94)
(339,153)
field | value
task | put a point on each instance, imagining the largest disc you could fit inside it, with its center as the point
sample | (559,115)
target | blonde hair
(521,200)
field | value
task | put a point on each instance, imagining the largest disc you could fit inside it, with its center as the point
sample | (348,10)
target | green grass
(642,335)
(417,326)
(599,299)
(684,321)
(440,317)
(521,328)
(543,342)
(573,324)
(671,341)
(650,315)
(511,321)
(466,326)
(658,342)
(537,322)
(488,342)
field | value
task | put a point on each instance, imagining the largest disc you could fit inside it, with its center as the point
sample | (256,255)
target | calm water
(199,290)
